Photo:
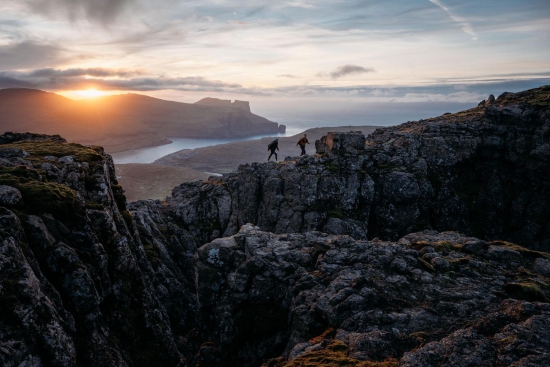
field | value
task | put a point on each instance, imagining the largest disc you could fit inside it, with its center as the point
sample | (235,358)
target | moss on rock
(39,197)
(57,149)
(525,291)
(334,355)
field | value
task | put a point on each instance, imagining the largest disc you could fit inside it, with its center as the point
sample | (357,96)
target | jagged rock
(454,172)
(440,264)
(490,100)
(542,266)
(88,280)
(9,196)
(263,295)
(77,283)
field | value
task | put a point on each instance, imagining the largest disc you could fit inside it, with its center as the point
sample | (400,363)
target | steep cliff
(78,287)
(87,280)
(484,172)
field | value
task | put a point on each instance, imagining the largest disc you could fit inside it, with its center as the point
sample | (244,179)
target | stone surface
(87,280)
(9,196)
(454,172)
(542,266)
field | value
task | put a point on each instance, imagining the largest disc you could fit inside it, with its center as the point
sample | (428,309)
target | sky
(277,54)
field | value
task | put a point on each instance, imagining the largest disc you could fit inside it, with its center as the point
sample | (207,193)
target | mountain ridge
(126,121)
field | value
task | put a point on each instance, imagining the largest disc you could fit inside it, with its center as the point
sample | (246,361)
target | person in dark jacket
(274,145)
(302,143)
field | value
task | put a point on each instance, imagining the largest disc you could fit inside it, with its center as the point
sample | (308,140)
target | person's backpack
(272,145)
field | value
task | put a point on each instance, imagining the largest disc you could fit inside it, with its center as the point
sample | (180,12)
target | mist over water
(298,118)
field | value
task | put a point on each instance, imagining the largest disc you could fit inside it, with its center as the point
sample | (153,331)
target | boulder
(9,196)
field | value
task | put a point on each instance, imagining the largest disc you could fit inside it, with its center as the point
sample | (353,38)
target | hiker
(302,143)
(274,145)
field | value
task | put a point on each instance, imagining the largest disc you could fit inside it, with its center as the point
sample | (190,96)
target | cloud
(300,4)
(114,79)
(28,54)
(466,27)
(102,11)
(464,91)
(287,76)
(346,70)
(93,72)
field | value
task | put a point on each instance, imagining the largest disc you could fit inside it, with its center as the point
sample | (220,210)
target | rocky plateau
(423,244)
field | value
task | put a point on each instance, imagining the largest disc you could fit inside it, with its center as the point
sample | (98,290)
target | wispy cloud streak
(466,27)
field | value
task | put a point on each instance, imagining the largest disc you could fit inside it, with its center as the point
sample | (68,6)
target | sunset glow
(90,93)
(347,51)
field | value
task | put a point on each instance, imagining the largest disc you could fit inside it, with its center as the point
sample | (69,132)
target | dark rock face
(86,280)
(262,295)
(77,286)
(484,172)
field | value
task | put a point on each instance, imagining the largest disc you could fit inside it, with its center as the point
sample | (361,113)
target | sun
(90,93)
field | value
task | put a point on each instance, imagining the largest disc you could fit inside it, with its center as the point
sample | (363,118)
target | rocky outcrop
(77,285)
(429,299)
(87,280)
(484,172)
(208,101)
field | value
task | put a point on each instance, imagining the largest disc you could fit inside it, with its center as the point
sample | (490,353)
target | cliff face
(89,281)
(245,105)
(129,121)
(484,172)
(77,285)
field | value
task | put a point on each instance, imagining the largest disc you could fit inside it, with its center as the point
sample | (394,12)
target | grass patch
(94,206)
(39,197)
(336,213)
(522,250)
(446,246)
(386,166)
(128,218)
(332,167)
(525,291)
(45,148)
(150,252)
(426,265)
(334,355)
(440,246)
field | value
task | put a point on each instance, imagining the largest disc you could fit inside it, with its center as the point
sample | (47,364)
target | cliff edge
(420,245)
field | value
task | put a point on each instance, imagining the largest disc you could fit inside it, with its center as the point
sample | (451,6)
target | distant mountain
(245,105)
(127,121)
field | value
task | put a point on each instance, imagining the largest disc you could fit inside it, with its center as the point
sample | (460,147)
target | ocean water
(151,154)
(307,117)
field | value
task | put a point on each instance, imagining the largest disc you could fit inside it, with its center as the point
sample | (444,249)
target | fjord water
(151,154)
(299,120)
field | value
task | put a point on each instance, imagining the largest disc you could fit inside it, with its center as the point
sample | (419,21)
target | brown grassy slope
(123,122)
(225,158)
(153,181)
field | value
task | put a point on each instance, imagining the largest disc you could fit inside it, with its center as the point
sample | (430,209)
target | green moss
(45,148)
(150,252)
(522,250)
(332,167)
(446,246)
(335,213)
(386,166)
(525,291)
(39,197)
(91,205)
(128,218)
